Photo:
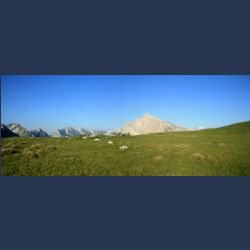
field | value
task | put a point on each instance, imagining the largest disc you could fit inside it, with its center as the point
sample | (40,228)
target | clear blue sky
(106,102)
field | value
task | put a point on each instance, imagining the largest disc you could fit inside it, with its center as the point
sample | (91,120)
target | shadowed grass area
(223,151)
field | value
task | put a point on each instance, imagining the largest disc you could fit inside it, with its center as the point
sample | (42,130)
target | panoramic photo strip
(125,125)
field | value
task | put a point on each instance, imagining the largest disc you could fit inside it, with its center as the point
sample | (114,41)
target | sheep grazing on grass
(123,147)
(96,139)
(110,142)
(84,137)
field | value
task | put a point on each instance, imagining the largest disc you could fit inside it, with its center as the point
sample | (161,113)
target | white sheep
(110,142)
(123,147)
(96,139)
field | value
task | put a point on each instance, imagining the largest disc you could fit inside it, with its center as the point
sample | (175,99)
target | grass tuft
(29,154)
(158,157)
(8,151)
(198,157)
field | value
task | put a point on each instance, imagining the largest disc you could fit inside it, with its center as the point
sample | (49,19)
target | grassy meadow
(212,152)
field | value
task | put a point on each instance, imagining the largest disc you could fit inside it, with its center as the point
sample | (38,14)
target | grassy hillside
(223,151)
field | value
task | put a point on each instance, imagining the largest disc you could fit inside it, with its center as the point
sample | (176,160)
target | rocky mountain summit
(18,129)
(6,132)
(146,124)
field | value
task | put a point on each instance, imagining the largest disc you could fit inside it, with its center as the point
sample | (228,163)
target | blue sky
(106,102)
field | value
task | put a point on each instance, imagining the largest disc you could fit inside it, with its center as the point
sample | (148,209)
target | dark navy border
(124,213)
(132,37)
(124,37)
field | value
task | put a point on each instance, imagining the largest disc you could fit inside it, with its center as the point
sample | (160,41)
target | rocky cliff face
(6,132)
(146,124)
(18,129)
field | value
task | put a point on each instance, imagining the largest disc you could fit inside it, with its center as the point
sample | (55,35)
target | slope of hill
(212,152)
(147,124)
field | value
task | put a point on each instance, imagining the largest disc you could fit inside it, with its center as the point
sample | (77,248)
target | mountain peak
(147,115)
(14,124)
(147,124)
(18,129)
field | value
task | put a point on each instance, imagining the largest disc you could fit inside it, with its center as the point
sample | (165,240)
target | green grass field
(220,152)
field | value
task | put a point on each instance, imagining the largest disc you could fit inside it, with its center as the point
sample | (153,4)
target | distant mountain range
(146,124)
(15,129)
(70,132)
